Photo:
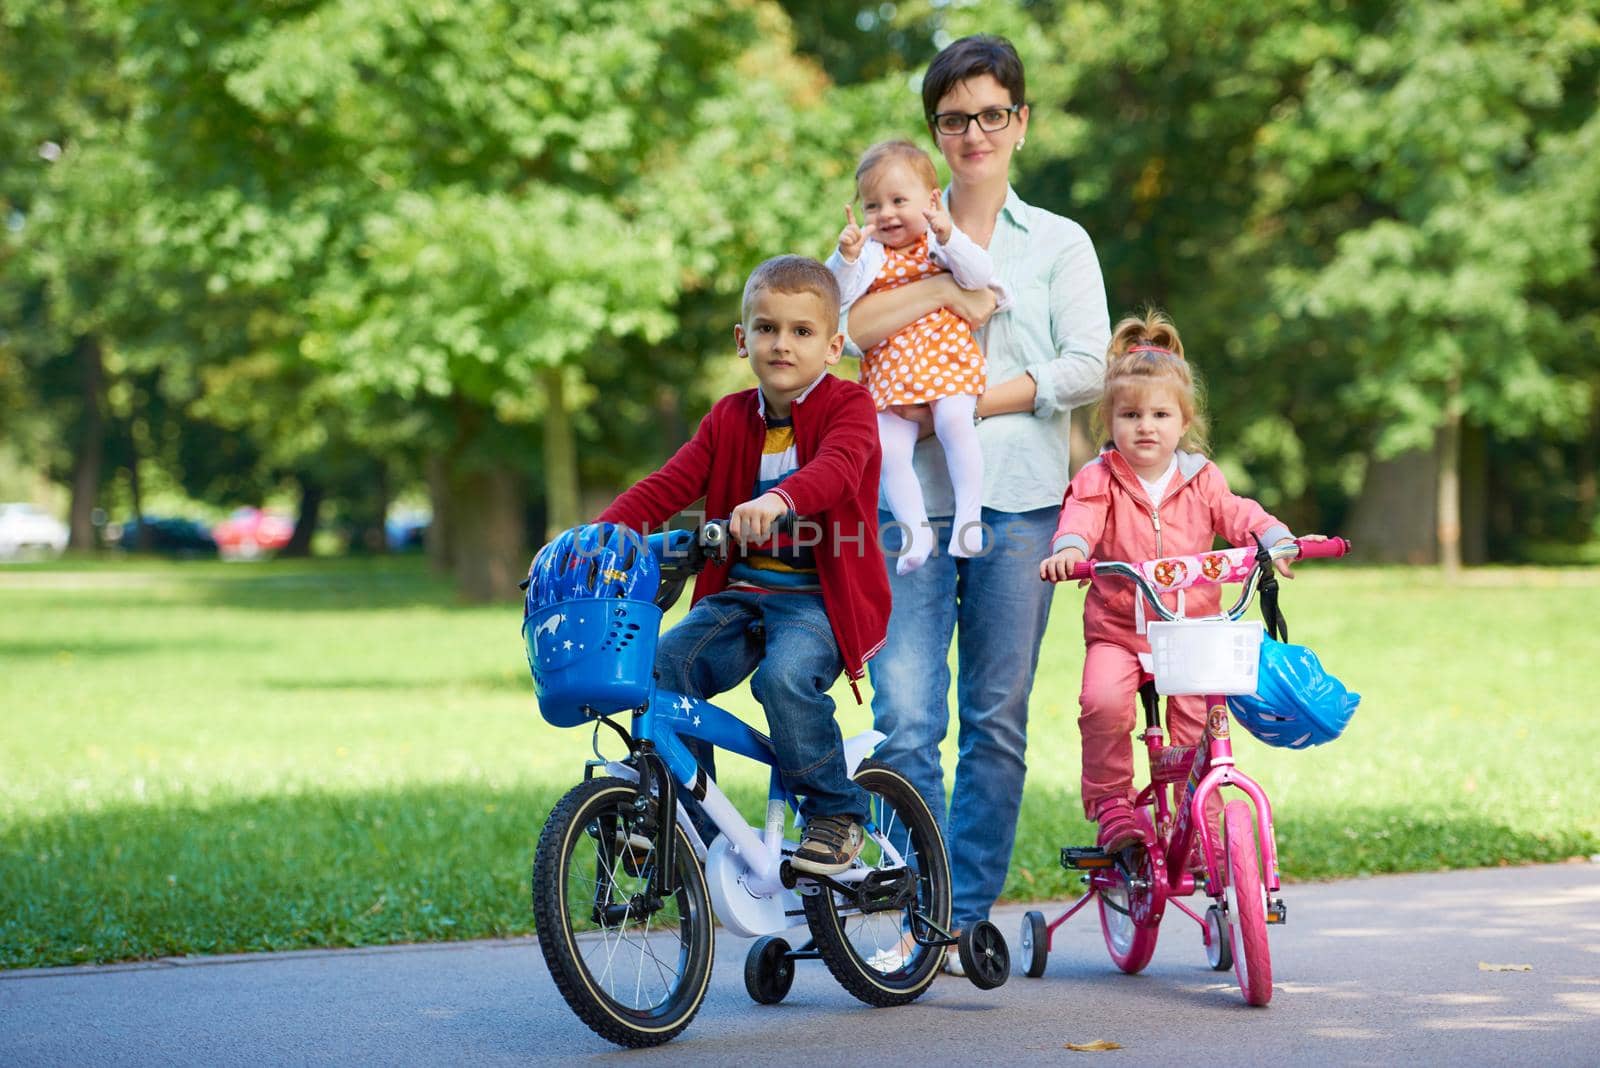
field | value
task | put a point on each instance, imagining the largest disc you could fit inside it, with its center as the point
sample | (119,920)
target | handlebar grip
(1311,550)
(1083,569)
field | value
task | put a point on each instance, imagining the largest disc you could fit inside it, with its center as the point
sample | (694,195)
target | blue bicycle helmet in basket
(1297,704)
(595,560)
(590,623)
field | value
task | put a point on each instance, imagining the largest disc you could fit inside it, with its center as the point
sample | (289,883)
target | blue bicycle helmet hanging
(1297,704)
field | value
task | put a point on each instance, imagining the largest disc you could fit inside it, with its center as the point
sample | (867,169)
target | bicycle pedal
(1086,858)
(1277,911)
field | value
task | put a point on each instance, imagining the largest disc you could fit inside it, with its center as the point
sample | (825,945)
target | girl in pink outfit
(1143,497)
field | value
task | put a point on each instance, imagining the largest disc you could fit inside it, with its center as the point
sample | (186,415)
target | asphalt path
(1405,969)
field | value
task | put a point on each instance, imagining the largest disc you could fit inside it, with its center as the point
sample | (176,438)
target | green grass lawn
(205,758)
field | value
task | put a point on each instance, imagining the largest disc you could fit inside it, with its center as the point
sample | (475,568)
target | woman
(1046,355)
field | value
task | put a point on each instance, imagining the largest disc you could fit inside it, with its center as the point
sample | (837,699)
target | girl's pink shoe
(1120,827)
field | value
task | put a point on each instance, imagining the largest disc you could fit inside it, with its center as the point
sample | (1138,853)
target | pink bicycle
(1217,657)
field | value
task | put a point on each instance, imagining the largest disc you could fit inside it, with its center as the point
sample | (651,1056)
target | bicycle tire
(860,949)
(1130,945)
(1247,905)
(576,873)
(1130,920)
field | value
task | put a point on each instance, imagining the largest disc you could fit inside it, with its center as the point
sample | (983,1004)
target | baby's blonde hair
(883,152)
(1146,351)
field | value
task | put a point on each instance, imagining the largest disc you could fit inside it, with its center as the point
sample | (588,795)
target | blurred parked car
(28,530)
(249,532)
(406,531)
(170,535)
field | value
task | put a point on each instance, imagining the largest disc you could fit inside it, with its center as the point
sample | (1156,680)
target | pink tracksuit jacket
(1108,516)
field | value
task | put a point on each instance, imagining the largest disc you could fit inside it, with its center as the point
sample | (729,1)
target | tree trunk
(440,545)
(1448,508)
(369,509)
(1588,501)
(312,495)
(560,457)
(1081,447)
(146,540)
(1474,495)
(89,457)
(486,532)
(1393,519)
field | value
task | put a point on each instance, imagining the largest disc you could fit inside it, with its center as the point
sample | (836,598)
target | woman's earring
(1020,142)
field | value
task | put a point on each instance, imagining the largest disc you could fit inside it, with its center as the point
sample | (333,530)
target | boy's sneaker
(1119,826)
(831,844)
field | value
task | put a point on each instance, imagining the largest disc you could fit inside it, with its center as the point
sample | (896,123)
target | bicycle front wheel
(634,969)
(1247,905)
(872,954)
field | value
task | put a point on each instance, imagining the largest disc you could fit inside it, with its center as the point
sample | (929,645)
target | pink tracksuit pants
(1109,711)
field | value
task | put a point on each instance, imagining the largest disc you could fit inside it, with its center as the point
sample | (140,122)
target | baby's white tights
(952,421)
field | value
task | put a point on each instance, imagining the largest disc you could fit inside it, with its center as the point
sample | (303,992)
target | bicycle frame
(671,717)
(1210,767)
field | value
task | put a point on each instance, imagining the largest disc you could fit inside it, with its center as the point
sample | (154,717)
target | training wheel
(984,956)
(1219,951)
(1035,944)
(768,971)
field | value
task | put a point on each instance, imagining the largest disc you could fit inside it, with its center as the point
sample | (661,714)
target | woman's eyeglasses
(955,123)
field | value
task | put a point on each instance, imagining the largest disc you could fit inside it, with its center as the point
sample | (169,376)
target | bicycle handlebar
(683,553)
(1312,550)
(1215,568)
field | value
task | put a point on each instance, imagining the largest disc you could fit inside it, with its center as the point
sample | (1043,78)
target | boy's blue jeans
(785,638)
(1002,607)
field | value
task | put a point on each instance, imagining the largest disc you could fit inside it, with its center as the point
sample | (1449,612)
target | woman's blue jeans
(1001,607)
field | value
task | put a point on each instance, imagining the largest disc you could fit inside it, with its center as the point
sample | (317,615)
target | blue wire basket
(591,657)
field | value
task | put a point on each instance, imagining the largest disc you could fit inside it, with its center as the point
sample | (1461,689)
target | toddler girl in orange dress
(935,361)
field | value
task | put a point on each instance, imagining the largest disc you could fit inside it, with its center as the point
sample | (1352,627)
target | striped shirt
(780,565)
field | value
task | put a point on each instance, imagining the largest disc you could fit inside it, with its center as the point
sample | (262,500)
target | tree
(1439,178)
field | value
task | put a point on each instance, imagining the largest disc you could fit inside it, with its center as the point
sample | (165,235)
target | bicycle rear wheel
(633,969)
(1130,919)
(872,954)
(1247,905)
(1130,944)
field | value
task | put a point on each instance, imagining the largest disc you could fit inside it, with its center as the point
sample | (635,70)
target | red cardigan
(836,487)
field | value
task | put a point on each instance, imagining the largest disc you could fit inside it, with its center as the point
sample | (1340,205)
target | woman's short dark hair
(982,53)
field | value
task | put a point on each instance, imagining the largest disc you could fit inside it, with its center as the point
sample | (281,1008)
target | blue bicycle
(624,884)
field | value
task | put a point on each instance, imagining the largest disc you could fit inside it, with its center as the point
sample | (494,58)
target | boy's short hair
(970,57)
(793,274)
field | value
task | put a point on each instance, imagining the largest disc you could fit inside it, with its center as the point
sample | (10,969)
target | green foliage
(1453,162)
(340,227)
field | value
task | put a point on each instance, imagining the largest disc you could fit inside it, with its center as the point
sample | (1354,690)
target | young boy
(792,609)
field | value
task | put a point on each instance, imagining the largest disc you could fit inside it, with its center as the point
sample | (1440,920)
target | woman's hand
(920,414)
(974,305)
(1058,568)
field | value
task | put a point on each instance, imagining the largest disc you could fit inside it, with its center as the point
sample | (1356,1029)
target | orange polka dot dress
(934,357)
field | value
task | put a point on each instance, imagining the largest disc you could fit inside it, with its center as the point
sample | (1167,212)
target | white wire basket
(1205,656)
